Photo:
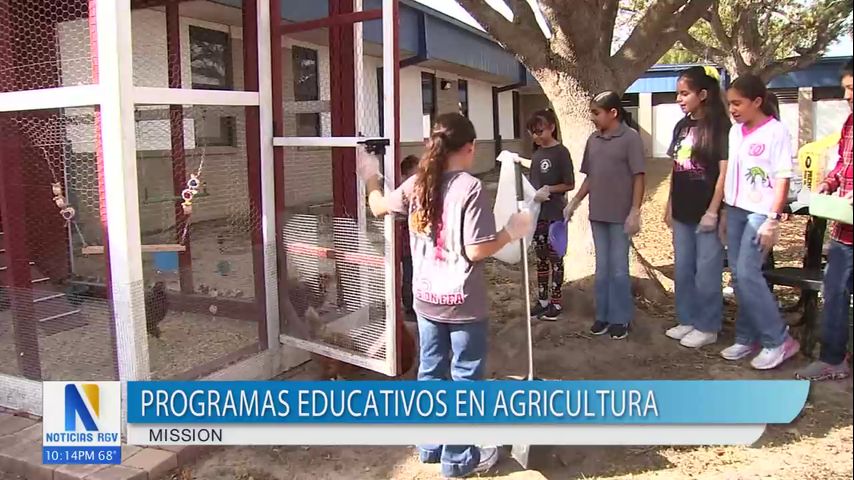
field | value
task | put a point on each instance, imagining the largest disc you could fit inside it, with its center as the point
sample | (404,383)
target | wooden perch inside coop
(357,258)
(153,248)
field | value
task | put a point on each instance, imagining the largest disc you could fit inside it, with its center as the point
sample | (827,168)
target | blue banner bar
(82,455)
(484,402)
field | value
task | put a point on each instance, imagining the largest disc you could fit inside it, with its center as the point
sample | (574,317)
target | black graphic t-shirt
(552,166)
(693,183)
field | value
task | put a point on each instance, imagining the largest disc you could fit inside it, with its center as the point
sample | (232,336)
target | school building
(446,65)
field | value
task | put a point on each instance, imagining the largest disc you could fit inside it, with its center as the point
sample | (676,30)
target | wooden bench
(809,281)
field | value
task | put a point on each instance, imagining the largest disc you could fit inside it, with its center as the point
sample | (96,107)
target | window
(210,69)
(308,124)
(306,89)
(428,101)
(827,93)
(210,59)
(306,84)
(463,88)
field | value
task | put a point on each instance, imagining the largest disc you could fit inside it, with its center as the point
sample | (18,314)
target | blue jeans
(452,352)
(614,302)
(699,267)
(758,317)
(837,295)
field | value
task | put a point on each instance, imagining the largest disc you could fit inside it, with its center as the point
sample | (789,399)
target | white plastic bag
(506,205)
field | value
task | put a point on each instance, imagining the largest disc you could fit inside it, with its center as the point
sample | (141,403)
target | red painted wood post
(342,82)
(279,156)
(18,278)
(179,159)
(13,208)
(253,163)
(343,109)
(405,349)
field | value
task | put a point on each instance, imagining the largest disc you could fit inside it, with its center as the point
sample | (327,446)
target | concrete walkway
(21,454)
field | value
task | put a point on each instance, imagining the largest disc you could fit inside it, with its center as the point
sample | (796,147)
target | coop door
(336,95)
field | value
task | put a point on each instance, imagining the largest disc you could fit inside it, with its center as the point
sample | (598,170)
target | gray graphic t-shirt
(447,287)
(552,166)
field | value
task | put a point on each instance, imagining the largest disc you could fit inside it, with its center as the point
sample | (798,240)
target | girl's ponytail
(771,105)
(451,132)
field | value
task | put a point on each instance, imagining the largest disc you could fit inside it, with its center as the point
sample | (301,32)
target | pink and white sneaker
(770,358)
(737,351)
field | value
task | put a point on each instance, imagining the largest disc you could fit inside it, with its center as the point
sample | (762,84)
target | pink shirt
(757,158)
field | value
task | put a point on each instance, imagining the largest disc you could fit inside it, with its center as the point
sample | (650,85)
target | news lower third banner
(485,412)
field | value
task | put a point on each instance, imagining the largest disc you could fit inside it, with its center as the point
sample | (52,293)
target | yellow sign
(812,160)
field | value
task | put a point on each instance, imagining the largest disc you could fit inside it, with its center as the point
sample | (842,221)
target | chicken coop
(178,197)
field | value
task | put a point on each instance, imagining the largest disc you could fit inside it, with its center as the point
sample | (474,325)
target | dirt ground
(818,445)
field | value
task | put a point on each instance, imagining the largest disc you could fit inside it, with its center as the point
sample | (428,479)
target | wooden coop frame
(114,96)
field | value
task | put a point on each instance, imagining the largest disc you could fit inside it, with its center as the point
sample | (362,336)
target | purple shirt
(447,287)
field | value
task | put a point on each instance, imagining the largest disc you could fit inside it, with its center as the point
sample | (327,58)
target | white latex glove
(850,197)
(570,209)
(768,234)
(633,222)
(709,223)
(367,166)
(542,194)
(722,229)
(519,224)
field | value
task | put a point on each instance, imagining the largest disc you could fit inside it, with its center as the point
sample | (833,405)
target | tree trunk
(570,97)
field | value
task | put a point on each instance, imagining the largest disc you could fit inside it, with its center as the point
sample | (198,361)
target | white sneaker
(737,351)
(697,339)
(679,331)
(770,358)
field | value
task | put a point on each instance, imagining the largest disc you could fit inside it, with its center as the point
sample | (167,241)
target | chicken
(304,296)
(156,306)
(332,369)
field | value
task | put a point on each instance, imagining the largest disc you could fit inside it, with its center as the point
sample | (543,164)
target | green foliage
(766,37)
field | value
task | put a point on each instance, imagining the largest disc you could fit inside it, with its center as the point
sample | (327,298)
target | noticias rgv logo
(82,403)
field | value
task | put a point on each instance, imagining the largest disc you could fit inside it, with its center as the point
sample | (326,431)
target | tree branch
(569,26)
(714,19)
(824,36)
(701,49)
(522,36)
(664,22)
(607,20)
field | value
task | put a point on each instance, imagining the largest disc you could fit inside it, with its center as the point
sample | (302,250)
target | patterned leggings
(549,265)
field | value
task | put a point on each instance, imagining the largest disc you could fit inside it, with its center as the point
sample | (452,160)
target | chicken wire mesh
(53,326)
(197,219)
(208,49)
(44,44)
(336,278)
